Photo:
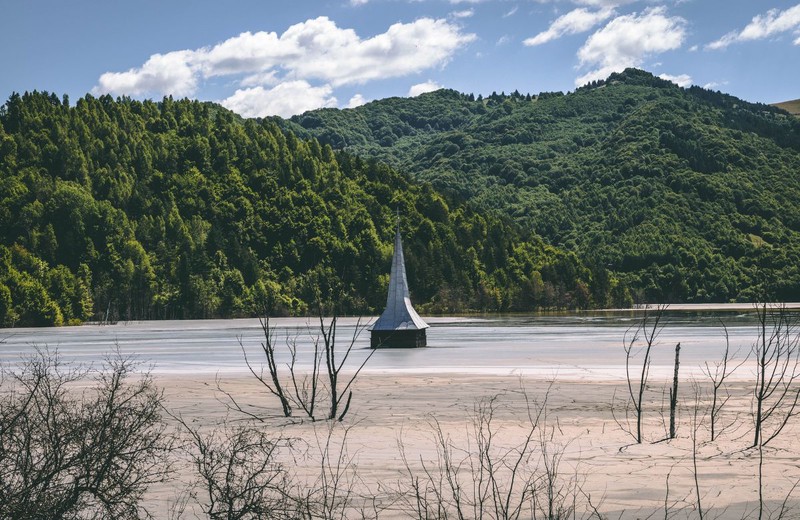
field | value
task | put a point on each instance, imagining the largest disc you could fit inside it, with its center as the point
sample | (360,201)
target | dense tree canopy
(120,209)
(686,195)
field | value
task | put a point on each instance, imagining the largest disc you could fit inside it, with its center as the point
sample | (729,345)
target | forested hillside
(119,209)
(687,195)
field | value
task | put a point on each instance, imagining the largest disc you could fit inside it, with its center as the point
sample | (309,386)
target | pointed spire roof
(399,313)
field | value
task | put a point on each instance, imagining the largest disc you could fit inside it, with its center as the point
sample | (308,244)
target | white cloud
(319,49)
(763,26)
(574,22)
(775,21)
(356,101)
(714,85)
(463,14)
(682,80)
(340,57)
(723,42)
(421,88)
(246,53)
(356,3)
(627,40)
(503,40)
(269,77)
(169,73)
(314,49)
(512,12)
(603,3)
(285,99)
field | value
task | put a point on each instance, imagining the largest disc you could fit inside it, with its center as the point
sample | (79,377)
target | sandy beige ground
(621,479)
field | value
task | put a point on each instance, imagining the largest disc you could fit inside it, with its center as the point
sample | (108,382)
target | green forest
(685,195)
(626,190)
(126,210)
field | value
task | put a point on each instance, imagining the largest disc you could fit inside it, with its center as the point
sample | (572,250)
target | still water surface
(565,346)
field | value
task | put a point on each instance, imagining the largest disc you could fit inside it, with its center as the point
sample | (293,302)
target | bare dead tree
(273,382)
(763,510)
(303,390)
(667,506)
(696,422)
(488,477)
(718,373)
(777,389)
(334,368)
(639,340)
(71,454)
(785,509)
(334,492)
(243,472)
(238,473)
(761,505)
(553,497)
(306,386)
(592,507)
(673,393)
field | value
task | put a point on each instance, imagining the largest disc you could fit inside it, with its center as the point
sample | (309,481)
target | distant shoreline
(453,318)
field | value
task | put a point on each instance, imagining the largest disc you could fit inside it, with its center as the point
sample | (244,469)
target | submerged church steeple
(399,325)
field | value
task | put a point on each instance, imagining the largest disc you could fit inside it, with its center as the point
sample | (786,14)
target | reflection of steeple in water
(399,325)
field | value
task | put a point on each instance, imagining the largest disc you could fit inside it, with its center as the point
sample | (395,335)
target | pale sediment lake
(573,362)
(585,345)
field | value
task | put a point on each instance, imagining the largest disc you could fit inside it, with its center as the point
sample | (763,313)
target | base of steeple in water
(399,326)
(398,338)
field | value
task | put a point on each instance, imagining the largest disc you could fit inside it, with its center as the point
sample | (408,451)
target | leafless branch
(69,454)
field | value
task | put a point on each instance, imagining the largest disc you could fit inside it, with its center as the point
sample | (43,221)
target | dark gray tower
(399,326)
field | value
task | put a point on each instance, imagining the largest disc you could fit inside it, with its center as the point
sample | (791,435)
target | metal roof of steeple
(399,313)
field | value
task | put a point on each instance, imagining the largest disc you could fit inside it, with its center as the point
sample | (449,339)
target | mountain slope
(687,194)
(118,209)
(793,107)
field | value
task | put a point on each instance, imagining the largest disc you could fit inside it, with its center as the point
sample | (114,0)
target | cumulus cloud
(604,3)
(682,80)
(245,53)
(269,77)
(319,49)
(316,49)
(285,99)
(169,73)
(574,22)
(627,40)
(356,101)
(771,23)
(714,85)
(463,14)
(421,88)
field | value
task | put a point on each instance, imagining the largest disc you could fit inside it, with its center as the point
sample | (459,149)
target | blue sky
(277,57)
